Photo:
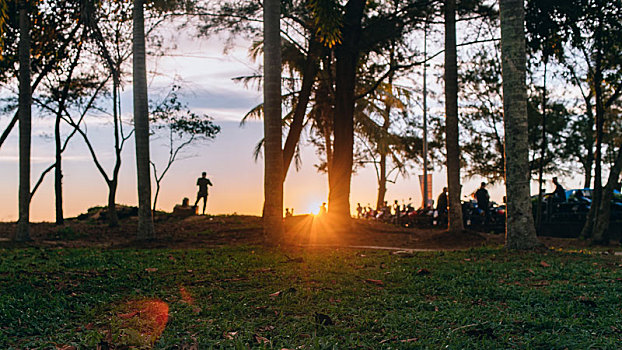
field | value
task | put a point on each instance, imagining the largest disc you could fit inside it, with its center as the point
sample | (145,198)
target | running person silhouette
(203,182)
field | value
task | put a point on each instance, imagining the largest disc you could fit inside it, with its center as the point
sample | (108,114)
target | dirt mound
(206,231)
(101,213)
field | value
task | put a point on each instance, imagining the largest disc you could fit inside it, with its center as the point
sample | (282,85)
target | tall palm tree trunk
(25,105)
(520,229)
(141,125)
(347,54)
(273,169)
(451,111)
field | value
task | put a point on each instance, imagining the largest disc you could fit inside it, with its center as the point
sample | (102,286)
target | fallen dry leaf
(260,339)
(151,269)
(234,279)
(409,340)
(423,271)
(531,271)
(388,340)
(544,264)
(229,335)
(376,282)
(65,347)
(276,294)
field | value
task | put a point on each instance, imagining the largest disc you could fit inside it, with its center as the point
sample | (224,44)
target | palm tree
(347,56)
(451,111)
(273,153)
(520,230)
(25,103)
(141,125)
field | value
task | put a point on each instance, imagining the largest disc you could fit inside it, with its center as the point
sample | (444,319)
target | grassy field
(240,297)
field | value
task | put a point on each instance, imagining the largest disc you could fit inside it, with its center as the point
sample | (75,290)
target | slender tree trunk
(451,110)
(520,230)
(273,169)
(155,196)
(593,216)
(297,124)
(113,218)
(58,171)
(587,180)
(347,54)
(542,154)
(141,125)
(25,105)
(601,227)
(425,199)
(382,181)
(383,146)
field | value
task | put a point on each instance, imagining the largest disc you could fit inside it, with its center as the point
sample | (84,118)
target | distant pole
(425,117)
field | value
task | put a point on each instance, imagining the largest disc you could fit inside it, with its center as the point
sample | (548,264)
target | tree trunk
(542,154)
(113,218)
(520,230)
(297,124)
(587,180)
(382,181)
(58,171)
(155,196)
(451,110)
(601,226)
(383,145)
(273,169)
(141,125)
(347,54)
(25,105)
(593,216)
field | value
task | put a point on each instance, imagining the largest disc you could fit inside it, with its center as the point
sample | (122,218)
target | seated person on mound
(184,209)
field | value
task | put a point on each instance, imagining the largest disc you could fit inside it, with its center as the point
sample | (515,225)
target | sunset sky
(206,74)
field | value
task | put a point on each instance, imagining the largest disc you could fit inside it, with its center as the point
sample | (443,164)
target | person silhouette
(559,194)
(203,182)
(441,202)
(483,201)
(322,209)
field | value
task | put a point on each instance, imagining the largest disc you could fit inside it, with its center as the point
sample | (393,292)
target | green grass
(480,299)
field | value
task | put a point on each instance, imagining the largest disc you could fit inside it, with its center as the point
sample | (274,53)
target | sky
(206,74)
